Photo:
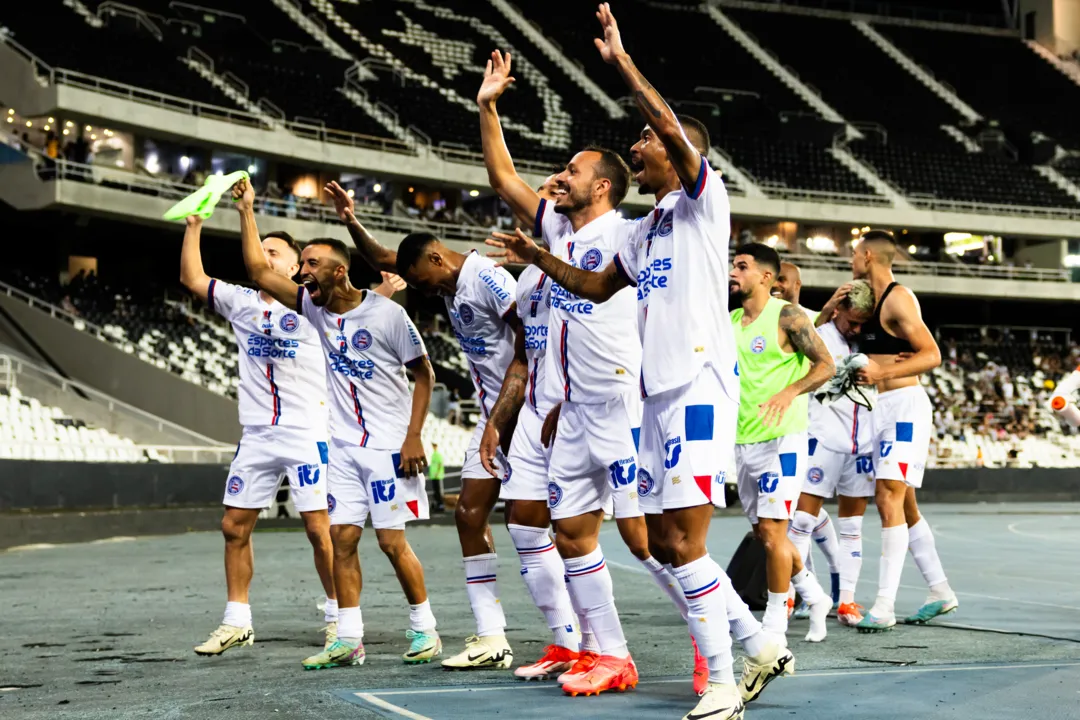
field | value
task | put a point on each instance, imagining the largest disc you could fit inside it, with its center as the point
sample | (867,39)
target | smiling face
(321,272)
(280,256)
(788,283)
(577,184)
(649,162)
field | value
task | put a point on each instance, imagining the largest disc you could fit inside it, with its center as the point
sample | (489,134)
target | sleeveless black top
(874,339)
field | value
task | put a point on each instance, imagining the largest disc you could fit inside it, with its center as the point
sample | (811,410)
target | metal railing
(939,269)
(924,202)
(103,452)
(783,192)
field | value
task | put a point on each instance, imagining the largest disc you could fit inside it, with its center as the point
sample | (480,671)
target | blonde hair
(861,298)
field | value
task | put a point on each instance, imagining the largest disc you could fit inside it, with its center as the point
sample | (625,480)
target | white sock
(542,571)
(484,594)
(924,550)
(799,531)
(237,614)
(894,542)
(744,626)
(588,640)
(808,587)
(774,622)
(330,611)
(590,583)
(707,616)
(664,577)
(825,537)
(421,617)
(350,625)
(850,560)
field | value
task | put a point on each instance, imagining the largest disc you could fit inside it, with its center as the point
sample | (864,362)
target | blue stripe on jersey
(565,358)
(699,186)
(532,383)
(632,280)
(538,223)
(210,294)
(300,299)
(274,393)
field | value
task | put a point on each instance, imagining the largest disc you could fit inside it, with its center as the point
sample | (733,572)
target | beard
(573,203)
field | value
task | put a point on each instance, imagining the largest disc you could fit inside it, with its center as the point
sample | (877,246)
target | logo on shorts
(768,481)
(331,503)
(507,473)
(864,465)
(592,259)
(886,448)
(757,345)
(555,495)
(466,314)
(622,472)
(361,340)
(235,486)
(673,447)
(383,490)
(721,477)
(815,475)
(645,483)
(307,475)
(289,322)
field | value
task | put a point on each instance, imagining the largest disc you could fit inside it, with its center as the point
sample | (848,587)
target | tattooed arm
(684,156)
(797,334)
(377,256)
(511,397)
(598,286)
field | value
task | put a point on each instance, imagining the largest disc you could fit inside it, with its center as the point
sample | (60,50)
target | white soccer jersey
(366,351)
(678,260)
(533,307)
(478,312)
(596,352)
(843,426)
(282,381)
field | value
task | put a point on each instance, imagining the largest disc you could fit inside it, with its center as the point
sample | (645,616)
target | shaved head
(788,283)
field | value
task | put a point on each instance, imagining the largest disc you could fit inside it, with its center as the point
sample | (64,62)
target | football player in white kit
(283,413)
(678,261)
(839,457)
(479,298)
(376,455)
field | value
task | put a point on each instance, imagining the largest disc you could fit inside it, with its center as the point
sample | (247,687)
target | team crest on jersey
(667,224)
(555,495)
(235,486)
(331,503)
(815,475)
(465,312)
(361,340)
(757,345)
(592,259)
(289,323)
(645,483)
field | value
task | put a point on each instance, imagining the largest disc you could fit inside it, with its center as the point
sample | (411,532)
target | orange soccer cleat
(849,614)
(556,659)
(586,661)
(701,670)
(610,673)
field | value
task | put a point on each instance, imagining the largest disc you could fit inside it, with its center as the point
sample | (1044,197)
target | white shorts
(835,473)
(265,453)
(594,458)
(367,481)
(687,445)
(472,468)
(901,425)
(770,476)
(525,475)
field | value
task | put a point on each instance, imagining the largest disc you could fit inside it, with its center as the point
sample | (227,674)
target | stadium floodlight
(377,187)
(474,193)
(911,249)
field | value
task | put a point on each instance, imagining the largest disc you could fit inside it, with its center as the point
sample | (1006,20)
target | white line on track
(399,711)
(1070,537)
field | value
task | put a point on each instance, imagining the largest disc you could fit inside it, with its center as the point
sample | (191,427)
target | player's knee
(659,550)
(392,544)
(470,519)
(803,522)
(572,547)
(235,531)
(772,534)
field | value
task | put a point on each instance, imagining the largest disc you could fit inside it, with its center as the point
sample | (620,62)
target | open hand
(243,195)
(869,375)
(829,310)
(772,411)
(496,78)
(611,47)
(489,447)
(517,249)
(343,204)
(391,284)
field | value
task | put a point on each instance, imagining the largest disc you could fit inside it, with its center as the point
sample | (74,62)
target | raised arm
(902,313)
(502,176)
(683,155)
(597,286)
(803,338)
(413,459)
(279,287)
(192,275)
(377,256)
(507,405)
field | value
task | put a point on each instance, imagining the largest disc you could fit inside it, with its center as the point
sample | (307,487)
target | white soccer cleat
(773,662)
(488,652)
(556,660)
(225,637)
(331,634)
(718,702)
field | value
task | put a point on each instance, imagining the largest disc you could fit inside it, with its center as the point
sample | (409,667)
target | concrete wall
(114,372)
